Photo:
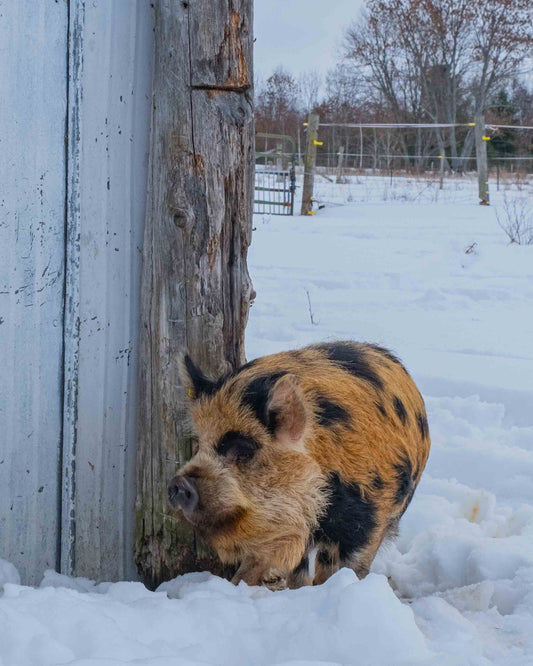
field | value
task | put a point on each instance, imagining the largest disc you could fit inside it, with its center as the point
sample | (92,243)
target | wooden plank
(33,46)
(196,288)
(114,113)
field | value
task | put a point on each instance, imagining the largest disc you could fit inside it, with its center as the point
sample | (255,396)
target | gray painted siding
(82,455)
(32,245)
(115,122)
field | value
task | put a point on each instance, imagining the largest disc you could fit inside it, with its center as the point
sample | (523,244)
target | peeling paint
(31,274)
(70,255)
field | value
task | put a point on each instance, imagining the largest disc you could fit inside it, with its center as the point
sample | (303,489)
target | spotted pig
(317,448)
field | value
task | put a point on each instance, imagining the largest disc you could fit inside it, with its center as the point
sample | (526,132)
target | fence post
(309,164)
(339,164)
(481,160)
(441,181)
(361,147)
(198,213)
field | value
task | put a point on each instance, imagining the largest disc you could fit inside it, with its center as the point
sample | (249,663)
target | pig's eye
(237,447)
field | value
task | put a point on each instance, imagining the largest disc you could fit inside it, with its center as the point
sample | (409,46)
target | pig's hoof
(274,580)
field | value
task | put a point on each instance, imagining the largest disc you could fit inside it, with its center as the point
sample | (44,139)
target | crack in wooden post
(195,286)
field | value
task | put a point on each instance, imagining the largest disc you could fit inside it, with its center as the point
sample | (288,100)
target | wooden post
(195,284)
(441,177)
(309,164)
(339,164)
(279,156)
(481,160)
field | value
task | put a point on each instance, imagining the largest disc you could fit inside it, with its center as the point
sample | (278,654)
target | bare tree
(439,60)
(309,84)
(502,37)
(277,104)
(371,42)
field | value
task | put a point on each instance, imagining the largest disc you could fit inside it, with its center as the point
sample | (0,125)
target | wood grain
(195,283)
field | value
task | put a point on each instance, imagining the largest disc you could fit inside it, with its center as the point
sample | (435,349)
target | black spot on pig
(330,413)
(237,447)
(404,471)
(422,425)
(389,355)
(349,519)
(399,408)
(352,359)
(381,409)
(202,385)
(324,558)
(303,567)
(377,481)
(256,396)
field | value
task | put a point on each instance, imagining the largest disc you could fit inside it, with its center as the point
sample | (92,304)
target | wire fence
(387,165)
(403,186)
(422,146)
(383,162)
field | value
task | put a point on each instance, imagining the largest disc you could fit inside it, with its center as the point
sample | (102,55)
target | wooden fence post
(361,147)
(279,156)
(195,284)
(339,164)
(309,164)
(481,160)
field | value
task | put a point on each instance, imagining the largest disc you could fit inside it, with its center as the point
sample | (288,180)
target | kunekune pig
(320,447)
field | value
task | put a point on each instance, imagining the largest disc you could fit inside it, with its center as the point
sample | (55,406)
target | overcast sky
(300,34)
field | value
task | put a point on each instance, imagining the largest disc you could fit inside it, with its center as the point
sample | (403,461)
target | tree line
(415,61)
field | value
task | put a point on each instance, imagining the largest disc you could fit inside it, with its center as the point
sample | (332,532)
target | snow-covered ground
(387,264)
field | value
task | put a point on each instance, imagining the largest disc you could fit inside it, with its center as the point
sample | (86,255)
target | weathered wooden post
(195,284)
(339,164)
(279,156)
(481,160)
(309,164)
(361,147)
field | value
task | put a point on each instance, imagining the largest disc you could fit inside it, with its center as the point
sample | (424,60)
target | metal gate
(275,184)
(274,191)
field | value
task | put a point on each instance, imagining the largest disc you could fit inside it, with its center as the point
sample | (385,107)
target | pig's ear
(287,412)
(193,379)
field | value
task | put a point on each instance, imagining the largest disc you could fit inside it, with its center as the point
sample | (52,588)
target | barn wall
(33,43)
(113,162)
(75,104)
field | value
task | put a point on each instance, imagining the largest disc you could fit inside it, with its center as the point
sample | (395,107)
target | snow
(386,264)
(8,574)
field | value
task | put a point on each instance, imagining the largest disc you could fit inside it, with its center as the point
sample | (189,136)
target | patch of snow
(8,574)
(201,619)
(385,263)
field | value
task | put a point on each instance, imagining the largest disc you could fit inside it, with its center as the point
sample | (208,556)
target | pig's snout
(182,493)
